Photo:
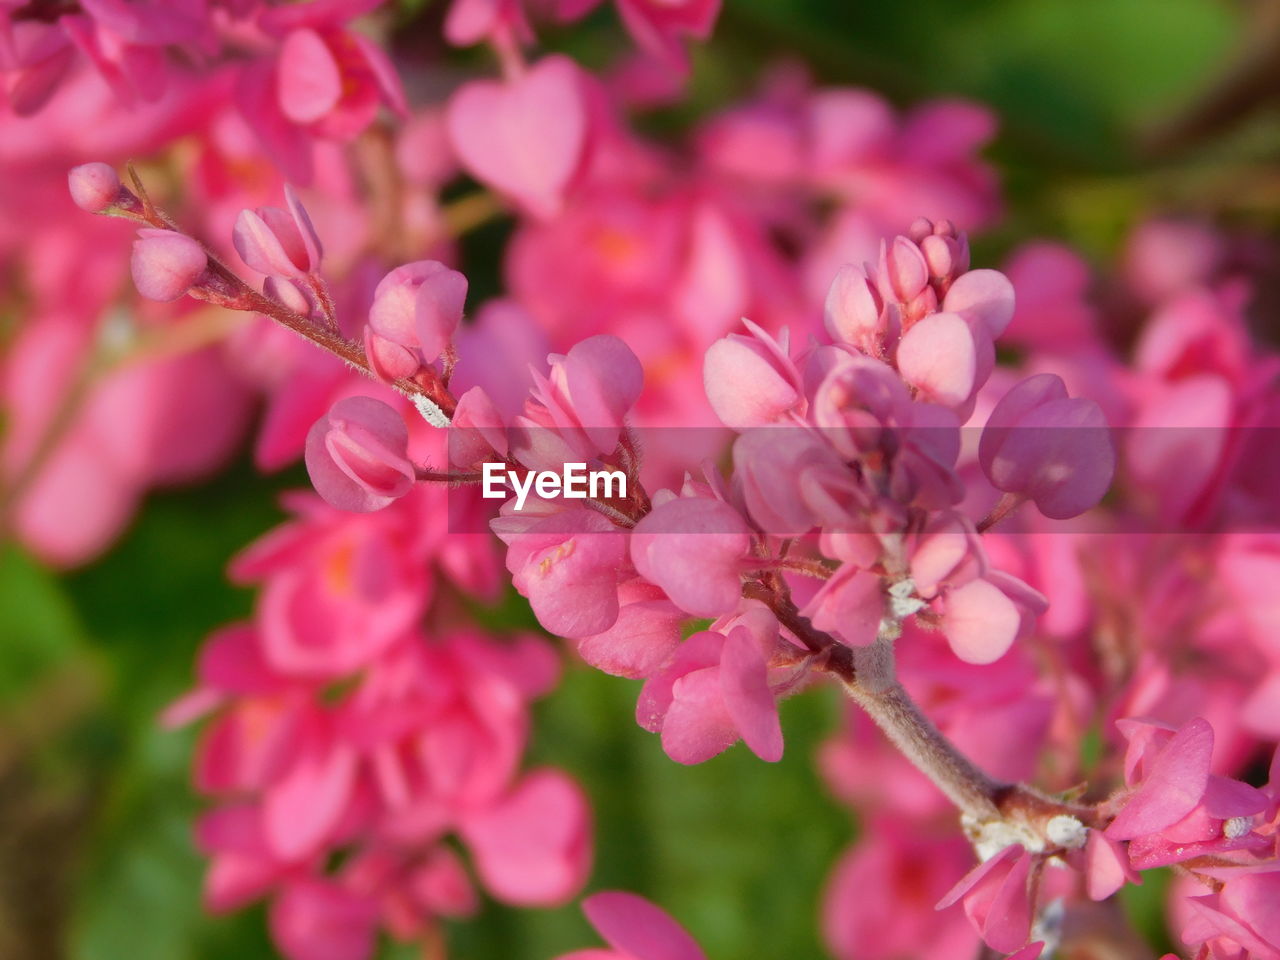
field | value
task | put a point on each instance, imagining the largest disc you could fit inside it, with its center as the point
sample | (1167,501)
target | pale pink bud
(903,271)
(357,455)
(476,431)
(165,264)
(920,228)
(750,381)
(419,306)
(1051,448)
(438,311)
(293,296)
(94,186)
(278,242)
(938,357)
(387,359)
(940,253)
(983,297)
(852,312)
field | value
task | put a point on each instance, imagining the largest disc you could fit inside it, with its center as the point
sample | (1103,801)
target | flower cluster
(840,539)
(356,715)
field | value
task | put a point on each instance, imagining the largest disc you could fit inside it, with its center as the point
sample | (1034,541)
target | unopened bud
(166,264)
(94,186)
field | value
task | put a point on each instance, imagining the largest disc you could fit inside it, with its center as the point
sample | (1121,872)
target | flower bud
(293,296)
(166,264)
(357,455)
(419,306)
(94,186)
(852,311)
(387,359)
(903,271)
(1051,448)
(750,381)
(277,242)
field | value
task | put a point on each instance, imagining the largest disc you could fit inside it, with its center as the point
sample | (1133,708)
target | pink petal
(1008,920)
(636,927)
(1173,787)
(604,380)
(692,548)
(319,920)
(308,78)
(982,296)
(301,811)
(850,604)
(744,683)
(938,357)
(697,726)
(533,848)
(525,138)
(980,622)
(1107,866)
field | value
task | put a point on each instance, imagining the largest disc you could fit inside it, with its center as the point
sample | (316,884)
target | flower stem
(876,689)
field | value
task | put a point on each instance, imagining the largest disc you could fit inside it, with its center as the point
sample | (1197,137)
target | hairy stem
(875,688)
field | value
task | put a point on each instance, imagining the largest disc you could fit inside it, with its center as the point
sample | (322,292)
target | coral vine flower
(357,455)
(276,242)
(1054,450)
(714,690)
(165,264)
(416,309)
(693,548)
(997,899)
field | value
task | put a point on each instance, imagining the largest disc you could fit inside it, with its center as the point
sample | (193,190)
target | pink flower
(526,138)
(278,243)
(1177,810)
(635,929)
(751,381)
(997,899)
(693,548)
(645,634)
(165,264)
(714,691)
(316,919)
(850,606)
(937,356)
(1049,448)
(879,900)
(339,588)
(94,186)
(1238,921)
(357,455)
(533,847)
(568,564)
(417,307)
(578,411)
(855,313)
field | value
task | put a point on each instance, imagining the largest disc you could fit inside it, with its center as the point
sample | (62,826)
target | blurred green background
(1111,110)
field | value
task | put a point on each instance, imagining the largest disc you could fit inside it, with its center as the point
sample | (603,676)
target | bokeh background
(1110,111)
